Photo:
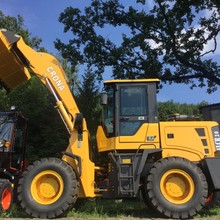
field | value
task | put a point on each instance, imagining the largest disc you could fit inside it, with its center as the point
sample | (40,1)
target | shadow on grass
(102,208)
(209,213)
(14,212)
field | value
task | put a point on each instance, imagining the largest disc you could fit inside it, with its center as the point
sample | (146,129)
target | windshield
(6,129)
(133,101)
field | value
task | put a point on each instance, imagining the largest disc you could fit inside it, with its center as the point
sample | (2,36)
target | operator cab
(129,128)
(130,103)
(127,106)
(13,127)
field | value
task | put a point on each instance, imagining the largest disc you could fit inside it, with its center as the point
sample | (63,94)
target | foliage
(167,109)
(87,100)
(47,134)
(16,25)
(45,128)
(166,39)
(4,101)
(70,71)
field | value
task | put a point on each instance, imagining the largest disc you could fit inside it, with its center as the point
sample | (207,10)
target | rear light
(4,143)
(7,144)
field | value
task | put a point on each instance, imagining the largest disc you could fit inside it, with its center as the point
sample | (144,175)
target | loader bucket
(12,70)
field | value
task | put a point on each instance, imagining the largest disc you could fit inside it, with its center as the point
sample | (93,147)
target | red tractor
(13,127)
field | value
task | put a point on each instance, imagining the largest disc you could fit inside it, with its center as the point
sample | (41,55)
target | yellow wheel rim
(177,186)
(47,187)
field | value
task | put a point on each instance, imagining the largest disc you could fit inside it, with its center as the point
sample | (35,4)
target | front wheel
(48,188)
(6,195)
(176,188)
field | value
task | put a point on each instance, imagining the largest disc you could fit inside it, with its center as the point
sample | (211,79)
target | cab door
(133,112)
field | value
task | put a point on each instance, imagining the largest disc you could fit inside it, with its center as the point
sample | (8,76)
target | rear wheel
(176,188)
(48,188)
(6,195)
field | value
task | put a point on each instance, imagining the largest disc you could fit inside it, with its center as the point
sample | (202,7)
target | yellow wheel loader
(174,164)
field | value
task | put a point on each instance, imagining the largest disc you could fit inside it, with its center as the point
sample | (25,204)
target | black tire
(176,188)
(6,195)
(79,204)
(213,200)
(48,188)
(146,200)
(144,196)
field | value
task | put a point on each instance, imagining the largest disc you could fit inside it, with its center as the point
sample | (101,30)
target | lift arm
(16,60)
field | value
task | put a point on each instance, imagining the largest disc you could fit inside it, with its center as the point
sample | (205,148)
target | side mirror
(78,125)
(104,99)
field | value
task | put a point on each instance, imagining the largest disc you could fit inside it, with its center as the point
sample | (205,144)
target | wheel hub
(6,199)
(177,186)
(47,187)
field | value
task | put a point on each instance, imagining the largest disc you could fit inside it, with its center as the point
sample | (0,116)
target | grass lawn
(101,208)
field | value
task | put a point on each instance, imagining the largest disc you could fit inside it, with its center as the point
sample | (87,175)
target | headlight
(2,143)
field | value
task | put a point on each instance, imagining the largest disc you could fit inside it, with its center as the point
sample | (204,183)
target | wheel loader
(173,164)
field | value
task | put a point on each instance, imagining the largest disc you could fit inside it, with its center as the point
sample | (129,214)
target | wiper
(4,120)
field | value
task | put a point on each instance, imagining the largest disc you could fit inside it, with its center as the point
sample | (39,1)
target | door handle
(124,118)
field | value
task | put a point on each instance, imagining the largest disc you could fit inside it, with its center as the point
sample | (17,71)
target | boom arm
(16,57)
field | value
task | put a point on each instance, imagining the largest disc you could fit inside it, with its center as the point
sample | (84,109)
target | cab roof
(131,81)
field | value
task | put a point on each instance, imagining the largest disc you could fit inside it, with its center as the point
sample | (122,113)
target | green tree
(16,25)
(88,101)
(47,133)
(71,72)
(167,39)
(167,109)
(4,101)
